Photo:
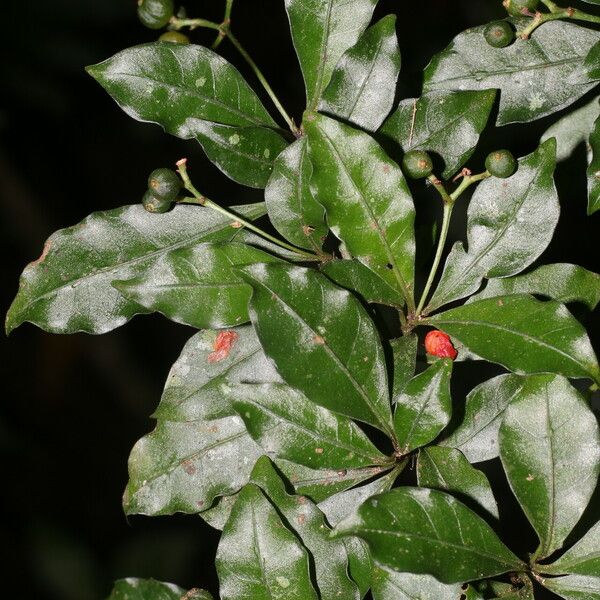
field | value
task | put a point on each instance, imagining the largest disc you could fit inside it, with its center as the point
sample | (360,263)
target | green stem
(204,201)
(223,28)
(448,208)
(264,83)
(556,12)
(466,182)
(225,25)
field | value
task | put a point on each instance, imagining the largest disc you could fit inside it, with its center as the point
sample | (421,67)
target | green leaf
(341,505)
(356,277)
(477,435)
(561,281)
(448,470)
(510,223)
(550,450)
(184,466)
(573,129)
(404,351)
(170,84)
(258,557)
(329,558)
(197,286)
(366,199)
(218,514)
(288,425)
(532,75)
(390,585)
(320,484)
(424,407)
(581,559)
(360,563)
(423,531)
(326,330)
(68,288)
(292,208)
(575,587)
(322,30)
(522,334)
(198,385)
(149,589)
(245,154)
(445,123)
(593,171)
(363,84)
(592,60)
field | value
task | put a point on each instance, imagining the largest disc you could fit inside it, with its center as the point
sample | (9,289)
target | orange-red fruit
(437,343)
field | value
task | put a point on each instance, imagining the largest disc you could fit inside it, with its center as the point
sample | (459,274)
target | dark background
(75,405)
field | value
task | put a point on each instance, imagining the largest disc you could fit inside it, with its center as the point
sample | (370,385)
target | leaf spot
(283,582)
(530,477)
(234,139)
(317,339)
(222,346)
(318,450)
(43,255)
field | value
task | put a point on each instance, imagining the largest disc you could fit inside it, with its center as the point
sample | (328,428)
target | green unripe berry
(499,34)
(155,205)
(417,164)
(175,37)
(155,14)
(164,184)
(516,7)
(501,163)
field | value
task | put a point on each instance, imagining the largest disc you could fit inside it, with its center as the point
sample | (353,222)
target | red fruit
(437,343)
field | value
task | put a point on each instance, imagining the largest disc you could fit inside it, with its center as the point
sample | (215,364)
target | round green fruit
(417,164)
(501,163)
(155,205)
(175,37)
(499,34)
(516,7)
(164,184)
(155,14)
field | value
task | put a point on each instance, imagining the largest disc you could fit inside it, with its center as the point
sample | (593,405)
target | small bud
(437,343)
(155,14)
(518,8)
(164,184)
(174,37)
(499,34)
(501,163)
(155,205)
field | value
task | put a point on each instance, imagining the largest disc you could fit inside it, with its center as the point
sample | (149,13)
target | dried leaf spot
(318,450)
(307,230)
(283,582)
(301,499)
(317,339)
(386,169)
(188,467)
(43,255)
(236,225)
(213,429)
(301,519)
(222,346)
(530,477)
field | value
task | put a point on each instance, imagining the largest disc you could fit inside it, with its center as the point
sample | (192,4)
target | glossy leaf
(581,559)
(510,223)
(329,558)
(258,557)
(448,470)
(532,75)
(593,171)
(292,208)
(423,531)
(522,334)
(360,563)
(320,484)
(366,199)
(326,330)
(404,351)
(560,281)
(391,585)
(341,505)
(363,84)
(477,434)
(550,450)
(149,589)
(424,407)
(288,425)
(356,277)
(218,514)
(197,286)
(170,84)
(68,288)
(184,466)
(591,66)
(575,587)
(444,123)
(245,154)
(322,30)
(198,385)
(573,129)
